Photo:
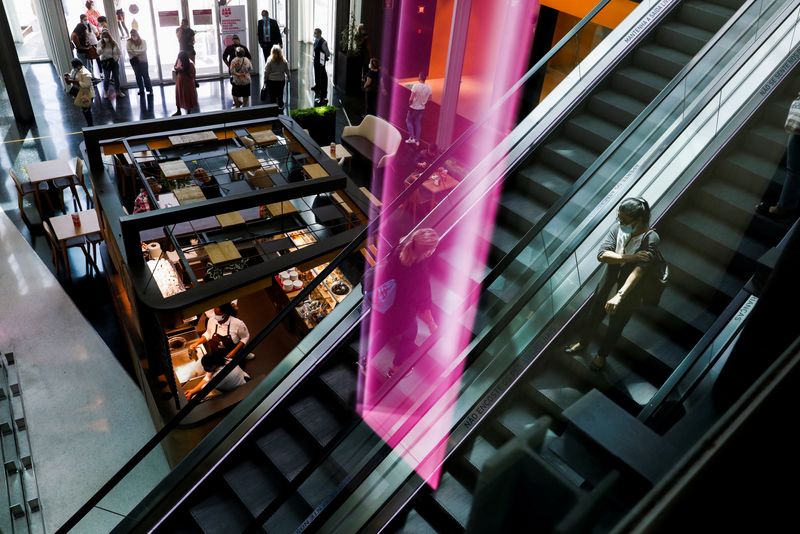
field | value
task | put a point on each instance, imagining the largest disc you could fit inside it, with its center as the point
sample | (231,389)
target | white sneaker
(410,140)
(250,356)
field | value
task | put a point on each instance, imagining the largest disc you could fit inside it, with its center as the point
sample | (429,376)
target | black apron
(219,343)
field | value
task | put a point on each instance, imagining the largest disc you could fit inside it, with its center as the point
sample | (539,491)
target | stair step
(542,182)
(560,387)
(341,380)
(217,514)
(252,486)
(479,453)
(454,499)
(520,211)
(688,39)
(660,346)
(566,156)
(316,418)
(321,484)
(516,419)
(706,15)
(416,524)
(285,452)
(642,84)
(702,269)
(289,516)
(592,131)
(615,107)
(664,61)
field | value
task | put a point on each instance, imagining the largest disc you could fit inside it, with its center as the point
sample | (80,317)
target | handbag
(656,277)
(174,75)
(73,91)
(264,93)
(84,99)
(792,125)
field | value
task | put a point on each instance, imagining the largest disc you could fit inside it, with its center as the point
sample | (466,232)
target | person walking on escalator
(789,200)
(629,250)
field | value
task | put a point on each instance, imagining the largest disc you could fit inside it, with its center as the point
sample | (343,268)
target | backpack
(655,279)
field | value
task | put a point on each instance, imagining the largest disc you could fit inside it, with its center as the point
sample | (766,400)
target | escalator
(713,239)
(289,463)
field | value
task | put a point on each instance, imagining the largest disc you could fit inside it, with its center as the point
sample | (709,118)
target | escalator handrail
(255,340)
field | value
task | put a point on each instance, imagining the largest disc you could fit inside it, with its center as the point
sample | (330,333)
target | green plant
(309,113)
(348,38)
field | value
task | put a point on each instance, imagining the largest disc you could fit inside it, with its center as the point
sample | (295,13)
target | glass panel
(25,29)
(167,19)
(203,17)
(139,16)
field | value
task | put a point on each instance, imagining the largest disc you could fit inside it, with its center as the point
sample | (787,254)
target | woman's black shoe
(575,348)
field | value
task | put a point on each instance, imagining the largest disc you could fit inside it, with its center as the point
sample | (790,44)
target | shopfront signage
(232,20)
(202,17)
(168,18)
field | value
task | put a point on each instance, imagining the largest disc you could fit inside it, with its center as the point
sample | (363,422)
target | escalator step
(218,514)
(504,239)
(341,380)
(542,182)
(316,418)
(688,39)
(454,499)
(416,524)
(568,157)
(708,16)
(252,486)
(592,131)
(663,61)
(748,171)
(702,269)
(479,453)
(516,419)
(288,517)
(580,460)
(638,83)
(668,350)
(707,232)
(285,452)
(766,141)
(357,446)
(558,386)
(681,306)
(615,107)
(520,211)
(321,484)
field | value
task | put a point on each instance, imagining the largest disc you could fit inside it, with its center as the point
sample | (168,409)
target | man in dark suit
(269,34)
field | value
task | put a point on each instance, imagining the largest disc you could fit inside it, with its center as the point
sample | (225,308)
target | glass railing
(144,474)
(517,331)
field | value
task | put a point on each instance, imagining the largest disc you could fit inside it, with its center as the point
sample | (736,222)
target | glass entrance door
(204,19)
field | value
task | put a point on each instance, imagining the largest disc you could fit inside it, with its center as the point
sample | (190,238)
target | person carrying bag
(79,86)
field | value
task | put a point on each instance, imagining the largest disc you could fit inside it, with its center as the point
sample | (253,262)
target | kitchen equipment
(340,288)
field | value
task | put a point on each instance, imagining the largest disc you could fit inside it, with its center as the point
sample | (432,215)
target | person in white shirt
(211,364)
(109,58)
(224,332)
(420,94)
(137,55)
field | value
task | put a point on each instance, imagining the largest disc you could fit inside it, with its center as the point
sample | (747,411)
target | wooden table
(222,252)
(188,139)
(281,208)
(341,156)
(175,170)
(167,200)
(187,195)
(263,137)
(230,219)
(64,230)
(244,160)
(45,171)
(314,170)
(446,183)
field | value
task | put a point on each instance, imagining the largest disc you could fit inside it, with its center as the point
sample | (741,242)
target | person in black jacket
(230,51)
(628,250)
(269,34)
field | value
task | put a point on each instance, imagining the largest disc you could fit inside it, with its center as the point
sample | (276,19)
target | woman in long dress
(185,89)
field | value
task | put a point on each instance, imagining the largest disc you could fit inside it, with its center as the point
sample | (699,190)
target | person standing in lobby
(185,90)
(185,36)
(371,87)
(276,75)
(269,34)
(420,94)
(321,56)
(240,79)
(109,59)
(79,84)
(137,54)
(230,51)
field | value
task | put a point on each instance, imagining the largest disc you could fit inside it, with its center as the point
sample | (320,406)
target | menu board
(168,18)
(202,17)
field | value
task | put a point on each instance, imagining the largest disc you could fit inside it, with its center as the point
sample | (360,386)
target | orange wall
(441,38)
(609,17)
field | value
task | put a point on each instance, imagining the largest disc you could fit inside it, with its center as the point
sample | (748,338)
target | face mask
(626,228)
(220,318)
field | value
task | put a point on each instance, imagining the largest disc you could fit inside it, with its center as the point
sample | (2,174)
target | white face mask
(220,318)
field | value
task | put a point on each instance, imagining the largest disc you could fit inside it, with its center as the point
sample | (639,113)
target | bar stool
(28,188)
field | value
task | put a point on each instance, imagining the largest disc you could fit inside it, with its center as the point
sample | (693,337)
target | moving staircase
(713,239)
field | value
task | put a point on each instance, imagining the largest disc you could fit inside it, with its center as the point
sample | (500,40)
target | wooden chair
(79,167)
(61,252)
(28,188)
(70,182)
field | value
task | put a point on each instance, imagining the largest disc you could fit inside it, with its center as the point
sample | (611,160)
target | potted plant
(347,74)
(319,121)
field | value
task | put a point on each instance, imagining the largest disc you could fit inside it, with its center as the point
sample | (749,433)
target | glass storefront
(26,29)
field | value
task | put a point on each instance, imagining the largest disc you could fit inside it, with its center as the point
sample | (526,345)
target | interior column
(12,73)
